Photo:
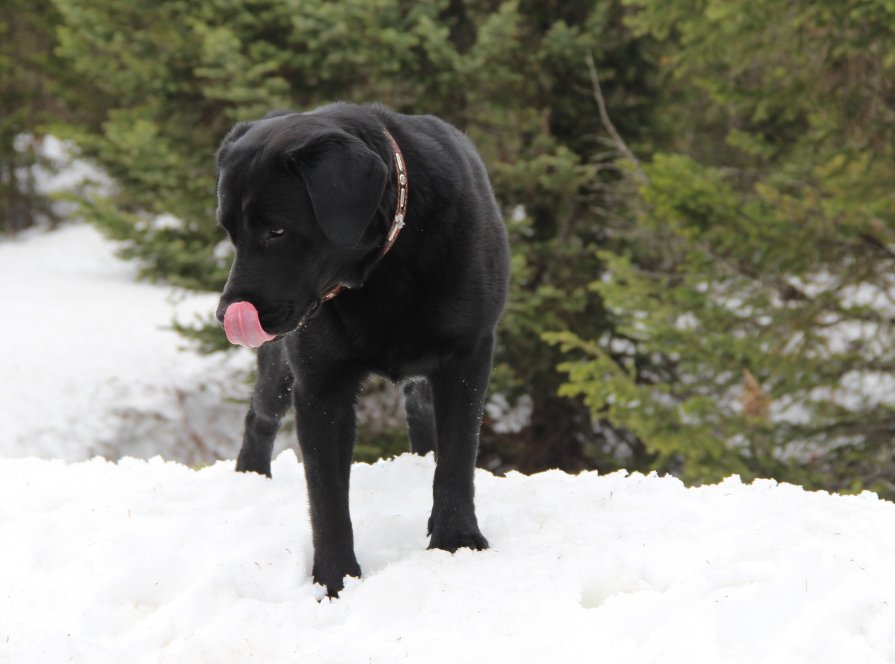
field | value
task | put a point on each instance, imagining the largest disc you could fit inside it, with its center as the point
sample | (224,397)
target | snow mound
(154,562)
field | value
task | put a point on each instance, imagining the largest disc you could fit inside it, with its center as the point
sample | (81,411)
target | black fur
(426,311)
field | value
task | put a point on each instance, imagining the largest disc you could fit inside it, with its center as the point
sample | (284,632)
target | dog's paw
(332,576)
(250,465)
(453,535)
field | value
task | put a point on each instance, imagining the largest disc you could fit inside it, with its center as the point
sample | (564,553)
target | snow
(91,364)
(150,561)
(64,170)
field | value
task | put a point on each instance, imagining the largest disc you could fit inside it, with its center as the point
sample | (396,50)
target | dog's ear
(345,182)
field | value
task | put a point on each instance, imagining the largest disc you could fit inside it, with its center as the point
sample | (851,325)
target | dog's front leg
(270,399)
(326,429)
(458,388)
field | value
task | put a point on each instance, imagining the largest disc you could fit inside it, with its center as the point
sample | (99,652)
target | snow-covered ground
(90,364)
(155,562)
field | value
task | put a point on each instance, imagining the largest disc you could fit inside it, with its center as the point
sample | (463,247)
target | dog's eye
(276,232)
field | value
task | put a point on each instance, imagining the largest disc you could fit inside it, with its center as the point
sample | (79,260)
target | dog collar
(400,210)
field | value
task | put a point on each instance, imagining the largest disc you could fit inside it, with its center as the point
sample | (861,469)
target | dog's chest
(398,351)
(397,342)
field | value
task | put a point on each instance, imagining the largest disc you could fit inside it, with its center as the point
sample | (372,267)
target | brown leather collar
(400,210)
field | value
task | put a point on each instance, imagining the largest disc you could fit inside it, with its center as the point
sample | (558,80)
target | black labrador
(367,241)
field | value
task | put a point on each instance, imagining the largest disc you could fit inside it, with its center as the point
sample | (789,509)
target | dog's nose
(221,310)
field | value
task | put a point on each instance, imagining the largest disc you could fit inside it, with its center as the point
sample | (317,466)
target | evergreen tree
(31,94)
(173,76)
(722,304)
(758,275)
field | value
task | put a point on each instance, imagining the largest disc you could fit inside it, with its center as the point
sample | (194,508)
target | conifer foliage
(174,76)
(698,192)
(755,289)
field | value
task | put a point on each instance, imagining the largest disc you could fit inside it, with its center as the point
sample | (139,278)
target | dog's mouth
(243,327)
(242,323)
(309,313)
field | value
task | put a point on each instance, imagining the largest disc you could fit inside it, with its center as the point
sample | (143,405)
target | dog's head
(296,195)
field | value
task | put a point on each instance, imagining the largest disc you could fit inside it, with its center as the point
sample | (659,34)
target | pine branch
(617,140)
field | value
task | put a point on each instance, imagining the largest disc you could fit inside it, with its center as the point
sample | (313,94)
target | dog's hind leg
(270,400)
(420,415)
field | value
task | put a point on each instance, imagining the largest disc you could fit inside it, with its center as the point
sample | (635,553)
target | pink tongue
(243,327)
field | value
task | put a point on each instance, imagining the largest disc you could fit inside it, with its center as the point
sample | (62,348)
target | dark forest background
(699,195)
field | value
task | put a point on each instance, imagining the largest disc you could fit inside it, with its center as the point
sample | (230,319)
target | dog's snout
(221,310)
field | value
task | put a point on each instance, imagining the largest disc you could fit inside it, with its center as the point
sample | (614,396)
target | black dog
(329,285)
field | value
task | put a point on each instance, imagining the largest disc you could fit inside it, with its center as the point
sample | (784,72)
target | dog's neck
(400,210)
